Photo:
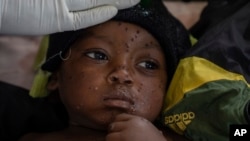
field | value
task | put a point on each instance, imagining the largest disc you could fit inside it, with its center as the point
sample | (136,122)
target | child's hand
(133,128)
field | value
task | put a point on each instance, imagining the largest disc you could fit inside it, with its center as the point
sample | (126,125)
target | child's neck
(86,134)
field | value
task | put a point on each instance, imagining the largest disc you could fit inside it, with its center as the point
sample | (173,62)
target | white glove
(40,17)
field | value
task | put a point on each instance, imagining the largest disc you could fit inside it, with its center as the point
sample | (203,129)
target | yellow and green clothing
(210,89)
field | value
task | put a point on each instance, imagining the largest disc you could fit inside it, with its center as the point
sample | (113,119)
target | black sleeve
(20,113)
(247,112)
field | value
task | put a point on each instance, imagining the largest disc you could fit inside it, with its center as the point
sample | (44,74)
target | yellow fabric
(41,54)
(191,73)
(38,88)
(193,40)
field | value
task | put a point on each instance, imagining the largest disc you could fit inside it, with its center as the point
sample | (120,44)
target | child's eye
(97,55)
(149,65)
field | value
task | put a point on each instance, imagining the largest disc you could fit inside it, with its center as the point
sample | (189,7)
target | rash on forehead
(126,28)
(134,36)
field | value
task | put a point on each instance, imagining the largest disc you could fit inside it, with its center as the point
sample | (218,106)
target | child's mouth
(118,103)
(119,100)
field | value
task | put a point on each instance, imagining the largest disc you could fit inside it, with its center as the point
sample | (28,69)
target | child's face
(119,68)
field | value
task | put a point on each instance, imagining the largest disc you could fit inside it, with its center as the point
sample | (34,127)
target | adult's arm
(40,17)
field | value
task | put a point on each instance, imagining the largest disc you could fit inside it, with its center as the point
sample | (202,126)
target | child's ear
(53,82)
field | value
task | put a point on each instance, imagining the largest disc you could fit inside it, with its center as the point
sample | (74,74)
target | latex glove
(133,128)
(40,17)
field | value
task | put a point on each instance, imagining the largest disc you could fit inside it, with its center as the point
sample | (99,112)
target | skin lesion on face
(131,81)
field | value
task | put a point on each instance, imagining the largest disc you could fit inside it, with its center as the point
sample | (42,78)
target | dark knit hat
(151,15)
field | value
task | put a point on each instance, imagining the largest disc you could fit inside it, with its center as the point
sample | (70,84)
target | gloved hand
(40,17)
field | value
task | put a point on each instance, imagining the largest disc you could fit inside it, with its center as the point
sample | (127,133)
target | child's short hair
(150,15)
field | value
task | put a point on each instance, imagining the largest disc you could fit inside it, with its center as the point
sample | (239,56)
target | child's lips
(119,101)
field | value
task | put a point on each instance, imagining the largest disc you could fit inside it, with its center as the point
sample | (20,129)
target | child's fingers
(123,117)
(120,122)
(113,136)
(116,127)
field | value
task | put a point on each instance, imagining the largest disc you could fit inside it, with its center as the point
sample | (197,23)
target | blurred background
(17,53)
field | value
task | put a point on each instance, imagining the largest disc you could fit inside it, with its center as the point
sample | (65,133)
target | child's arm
(173,136)
(134,128)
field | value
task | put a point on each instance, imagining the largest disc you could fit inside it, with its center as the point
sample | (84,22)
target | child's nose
(120,75)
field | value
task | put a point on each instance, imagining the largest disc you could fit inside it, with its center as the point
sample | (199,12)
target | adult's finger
(83,19)
(80,5)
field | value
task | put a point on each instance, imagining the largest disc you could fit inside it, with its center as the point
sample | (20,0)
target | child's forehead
(118,25)
(115,29)
(118,28)
(110,32)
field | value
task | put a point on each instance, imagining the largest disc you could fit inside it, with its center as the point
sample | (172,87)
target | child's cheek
(74,79)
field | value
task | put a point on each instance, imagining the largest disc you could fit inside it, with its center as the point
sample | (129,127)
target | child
(112,77)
